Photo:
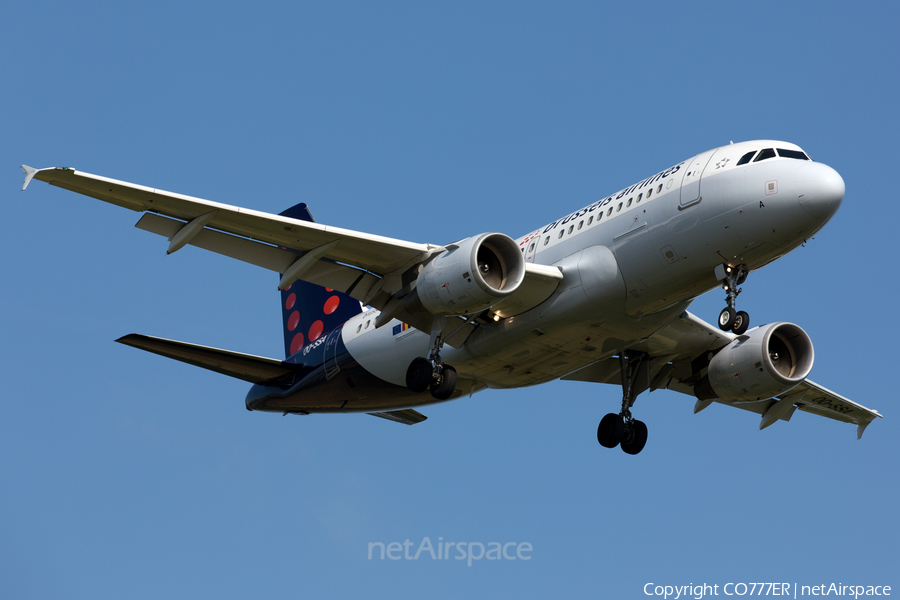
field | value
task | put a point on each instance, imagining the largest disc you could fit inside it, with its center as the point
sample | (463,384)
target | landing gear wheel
(731,277)
(727,318)
(635,437)
(611,430)
(419,375)
(741,322)
(443,387)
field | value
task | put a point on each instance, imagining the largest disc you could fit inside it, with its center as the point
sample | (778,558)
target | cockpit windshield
(764,154)
(792,154)
(746,158)
(770,153)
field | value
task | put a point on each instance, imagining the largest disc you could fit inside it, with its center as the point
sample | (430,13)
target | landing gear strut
(731,319)
(622,429)
(432,372)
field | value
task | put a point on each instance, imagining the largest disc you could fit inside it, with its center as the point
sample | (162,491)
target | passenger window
(649,193)
(531,247)
(792,154)
(746,158)
(546,240)
(641,195)
(580,224)
(618,208)
(764,154)
(609,212)
(629,201)
(561,231)
(571,227)
(659,188)
(591,220)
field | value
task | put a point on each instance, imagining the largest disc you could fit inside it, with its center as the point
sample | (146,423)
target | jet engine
(470,276)
(764,363)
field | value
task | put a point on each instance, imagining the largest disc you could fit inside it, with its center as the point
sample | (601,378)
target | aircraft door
(330,354)
(531,250)
(693,171)
(531,245)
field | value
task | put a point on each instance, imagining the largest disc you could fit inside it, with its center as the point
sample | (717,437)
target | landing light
(496,317)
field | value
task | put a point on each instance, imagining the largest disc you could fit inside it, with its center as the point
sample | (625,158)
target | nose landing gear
(731,319)
(622,429)
(431,372)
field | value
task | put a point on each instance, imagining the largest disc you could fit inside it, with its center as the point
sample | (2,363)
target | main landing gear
(731,319)
(431,372)
(622,429)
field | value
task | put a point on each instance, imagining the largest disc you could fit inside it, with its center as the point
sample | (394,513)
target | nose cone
(820,189)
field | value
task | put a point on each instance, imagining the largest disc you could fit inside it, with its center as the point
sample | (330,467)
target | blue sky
(128,475)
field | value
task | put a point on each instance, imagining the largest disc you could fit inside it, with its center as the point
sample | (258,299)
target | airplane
(600,295)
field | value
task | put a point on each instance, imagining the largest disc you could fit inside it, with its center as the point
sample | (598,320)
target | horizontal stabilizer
(407,417)
(248,367)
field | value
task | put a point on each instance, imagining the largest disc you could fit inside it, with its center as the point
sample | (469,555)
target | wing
(676,362)
(370,268)
(368,252)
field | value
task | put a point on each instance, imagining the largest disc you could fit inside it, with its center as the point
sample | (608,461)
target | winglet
(861,427)
(30,172)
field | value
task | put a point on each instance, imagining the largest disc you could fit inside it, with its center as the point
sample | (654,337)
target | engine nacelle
(764,363)
(470,276)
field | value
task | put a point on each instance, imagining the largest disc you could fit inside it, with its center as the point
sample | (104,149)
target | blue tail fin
(311,311)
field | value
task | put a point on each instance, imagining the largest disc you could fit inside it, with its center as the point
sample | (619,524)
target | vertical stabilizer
(311,311)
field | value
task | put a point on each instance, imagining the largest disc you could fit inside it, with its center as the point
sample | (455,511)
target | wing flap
(349,280)
(255,369)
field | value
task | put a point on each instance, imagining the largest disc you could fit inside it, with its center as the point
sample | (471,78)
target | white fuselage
(631,263)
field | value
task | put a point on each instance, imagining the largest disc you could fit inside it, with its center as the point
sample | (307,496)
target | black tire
(611,430)
(741,322)
(445,384)
(726,318)
(635,437)
(419,375)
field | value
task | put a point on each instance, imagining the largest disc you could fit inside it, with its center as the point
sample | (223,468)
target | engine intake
(764,363)
(470,276)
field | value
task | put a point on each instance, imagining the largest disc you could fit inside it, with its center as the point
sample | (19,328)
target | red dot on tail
(331,304)
(293,320)
(296,343)
(329,290)
(291,300)
(315,330)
